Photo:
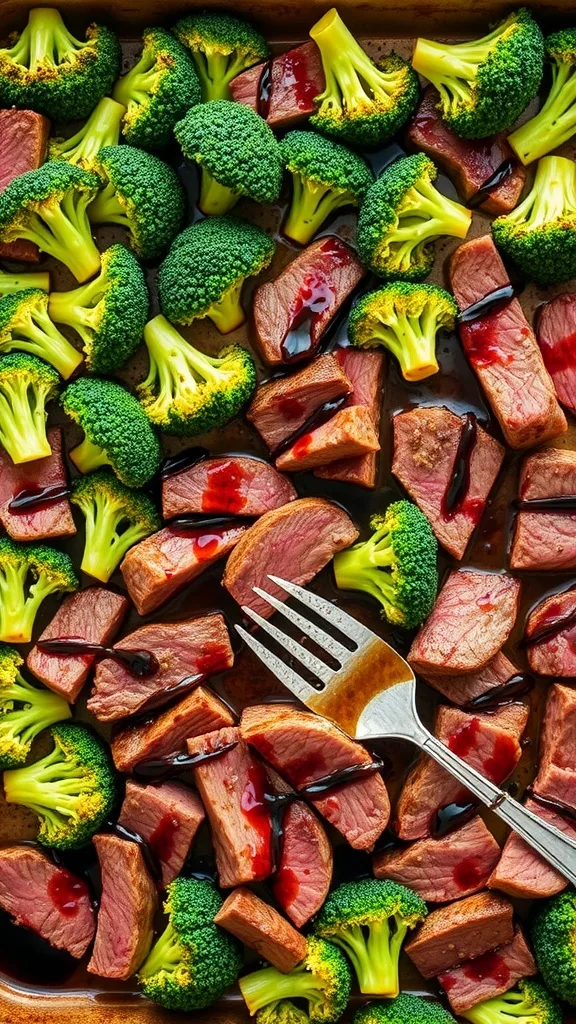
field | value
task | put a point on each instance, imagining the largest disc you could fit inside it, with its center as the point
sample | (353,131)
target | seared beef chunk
(426,444)
(294,542)
(556,778)
(556,654)
(231,485)
(304,747)
(461,689)
(193,647)
(503,352)
(24,135)
(546,540)
(296,77)
(521,872)
(461,931)
(46,898)
(94,614)
(53,519)
(127,908)
(262,928)
(556,334)
(489,975)
(167,816)
(471,620)
(348,434)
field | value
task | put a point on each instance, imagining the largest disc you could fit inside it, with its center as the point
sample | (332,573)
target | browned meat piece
(296,77)
(470,622)
(556,334)
(94,614)
(521,872)
(441,870)
(425,447)
(167,816)
(503,352)
(194,647)
(159,566)
(489,975)
(49,520)
(262,928)
(556,778)
(464,688)
(127,908)
(304,747)
(348,434)
(461,931)
(24,135)
(546,540)
(555,655)
(490,742)
(468,162)
(232,485)
(48,899)
(294,542)
(322,276)
(197,713)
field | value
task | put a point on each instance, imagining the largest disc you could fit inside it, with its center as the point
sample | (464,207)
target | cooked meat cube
(296,77)
(521,872)
(127,908)
(556,334)
(167,816)
(192,647)
(262,928)
(233,485)
(471,620)
(46,898)
(24,135)
(461,931)
(95,615)
(426,443)
(556,778)
(555,655)
(460,689)
(546,540)
(489,975)
(197,713)
(159,566)
(441,870)
(52,519)
(349,433)
(294,542)
(317,281)
(304,747)
(503,352)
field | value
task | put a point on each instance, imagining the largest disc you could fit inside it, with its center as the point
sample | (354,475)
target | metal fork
(372,695)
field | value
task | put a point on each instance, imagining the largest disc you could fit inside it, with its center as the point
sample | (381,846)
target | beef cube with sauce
(45,519)
(231,485)
(24,135)
(461,689)
(546,540)
(521,872)
(262,928)
(556,778)
(556,335)
(167,816)
(489,975)
(461,931)
(554,620)
(286,97)
(349,433)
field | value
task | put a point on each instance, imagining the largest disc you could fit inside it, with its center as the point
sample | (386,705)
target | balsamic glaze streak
(163,768)
(139,663)
(557,625)
(497,697)
(560,503)
(320,416)
(31,499)
(496,178)
(458,487)
(491,303)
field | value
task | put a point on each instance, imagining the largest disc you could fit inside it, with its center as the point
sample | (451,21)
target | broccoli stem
(48,41)
(138,84)
(216,71)
(269,985)
(227,314)
(375,958)
(101,129)
(23,422)
(312,202)
(428,214)
(215,198)
(42,708)
(452,67)
(63,231)
(40,337)
(51,784)
(511,1004)
(78,308)
(554,123)
(16,620)
(106,208)
(105,543)
(552,196)
(88,456)
(361,568)
(355,79)
(413,342)
(165,955)
(10,283)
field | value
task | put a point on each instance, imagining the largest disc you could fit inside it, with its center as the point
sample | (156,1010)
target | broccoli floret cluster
(19,282)
(284,1012)
(554,943)
(25,325)
(404,1009)
(221,46)
(25,710)
(101,129)
(26,386)
(555,122)
(29,573)
(528,1003)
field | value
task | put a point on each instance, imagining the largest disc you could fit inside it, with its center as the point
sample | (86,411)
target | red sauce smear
(463,740)
(556,619)
(302,446)
(223,492)
(315,297)
(286,886)
(490,965)
(66,892)
(466,874)
(481,342)
(215,659)
(560,354)
(256,812)
(503,760)
(295,74)
(162,838)
(206,546)
(290,408)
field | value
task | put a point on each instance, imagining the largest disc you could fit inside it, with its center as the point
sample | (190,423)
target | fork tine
(299,687)
(345,623)
(306,658)
(324,640)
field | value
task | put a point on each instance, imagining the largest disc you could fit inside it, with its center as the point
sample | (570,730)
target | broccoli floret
(194,961)
(363,102)
(529,1003)
(158,90)
(486,83)
(72,789)
(48,207)
(26,385)
(221,46)
(405,318)
(369,920)
(115,517)
(283,1012)
(28,574)
(25,710)
(404,1009)
(117,432)
(401,214)
(10,283)
(25,325)
(48,70)
(323,979)
(325,176)
(397,564)
(108,312)
(206,267)
(237,152)
(554,943)
(141,193)
(555,122)
(540,234)
(101,129)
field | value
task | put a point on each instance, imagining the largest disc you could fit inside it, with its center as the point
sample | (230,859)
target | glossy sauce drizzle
(499,696)
(162,768)
(34,499)
(493,182)
(265,89)
(223,491)
(139,663)
(450,817)
(162,839)
(255,809)
(559,503)
(493,302)
(316,295)
(553,622)
(320,416)
(148,854)
(67,892)
(455,495)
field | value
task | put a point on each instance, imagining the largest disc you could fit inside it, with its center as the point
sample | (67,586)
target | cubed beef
(426,444)
(460,689)
(262,928)
(349,433)
(555,654)
(556,778)
(296,77)
(46,898)
(489,975)
(24,135)
(127,908)
(232,485)
(546,540)
(167,816)
(503,352)
(521,872)
(193,647)
(461,931)
(95,615)
(53,519)
(556,334)
(323,275)
(471,620)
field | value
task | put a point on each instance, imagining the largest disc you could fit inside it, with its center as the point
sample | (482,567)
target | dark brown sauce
(183,460)
(265,90)
(33,499)
(149,856)
(163,768)
(507,693)
(459,485)
(560,503)
(549,628)
(199,522)
(344,775)
(450,817)
(491,303)
(139,663)
(553,805)
(320,416)
(496,178)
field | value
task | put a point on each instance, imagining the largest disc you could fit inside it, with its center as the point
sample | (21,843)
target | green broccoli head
(108,312)
(396,565)
(117,432)
(205,270)
(528,1003)
(221,46)
(72,790)
(283,1012)
(20,282)
(369,920)
(325,176)
(157,91)
(28,574)
(26,386)
(405,318)
(323,979)
(194,961)
(554,943)
(555,122)
(48,206)
(485,84)
(142,194)
(25,710)
(401,214)
(101,129)
(237,152)
(363,103)
(404,1009)
(46,69)
(25,325)
(540,234)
